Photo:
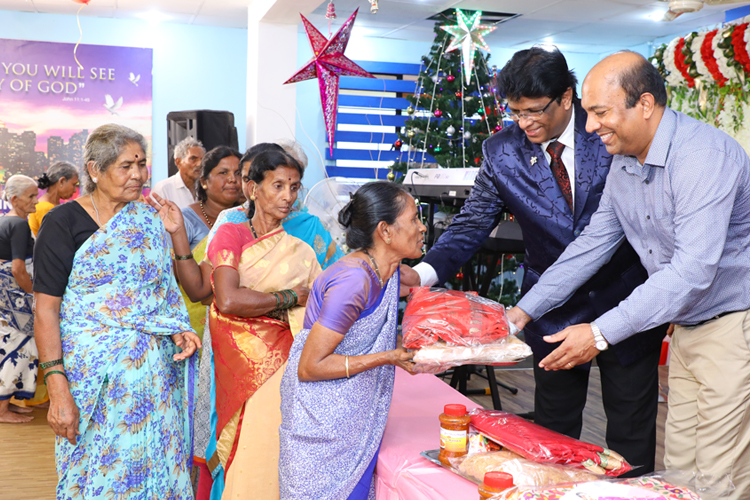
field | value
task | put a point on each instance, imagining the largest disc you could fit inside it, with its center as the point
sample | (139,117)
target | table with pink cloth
(413,427)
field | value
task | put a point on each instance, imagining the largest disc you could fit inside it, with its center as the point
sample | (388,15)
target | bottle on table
(454,433)
(494,483)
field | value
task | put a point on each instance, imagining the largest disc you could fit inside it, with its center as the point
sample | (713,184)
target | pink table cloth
(413,427)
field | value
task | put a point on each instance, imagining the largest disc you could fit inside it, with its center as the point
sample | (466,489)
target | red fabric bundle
(456,318)
(538,444)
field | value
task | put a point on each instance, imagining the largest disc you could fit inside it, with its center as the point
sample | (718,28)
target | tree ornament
(450,131)
(327,65)
(459,94)
(331,11)
(435,79)
(468,34)
(397,145)
(498,128)
(438,149)
(450,78)
(391,176)
(477,160)
(411,133)
(438,113)
(480,111)
(467,135)
(373,6)
(410,110)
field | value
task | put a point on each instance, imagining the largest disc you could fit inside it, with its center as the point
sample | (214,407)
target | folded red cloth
(539,444)
(455,317)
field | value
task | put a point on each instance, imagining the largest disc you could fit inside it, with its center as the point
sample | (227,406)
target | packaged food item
(454,433)
(541,445)
(494,483)
(658,486)
(475,466)
(524,472)
(453,317)
(439,357)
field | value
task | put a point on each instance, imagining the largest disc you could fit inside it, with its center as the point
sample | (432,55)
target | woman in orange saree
(261,279)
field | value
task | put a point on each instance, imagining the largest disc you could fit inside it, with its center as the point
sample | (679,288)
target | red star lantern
(327,65)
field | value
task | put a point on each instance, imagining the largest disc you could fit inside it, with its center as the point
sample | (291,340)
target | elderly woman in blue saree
(337,388)
(113,334)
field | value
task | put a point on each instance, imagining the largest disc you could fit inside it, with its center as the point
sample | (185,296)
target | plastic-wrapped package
(538,444)
(524,472)
(453,317)
(439,357)
(664,485)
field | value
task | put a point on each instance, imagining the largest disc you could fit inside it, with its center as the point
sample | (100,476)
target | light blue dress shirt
(686,212)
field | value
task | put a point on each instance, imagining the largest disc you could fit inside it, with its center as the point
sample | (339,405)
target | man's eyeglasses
(528,115)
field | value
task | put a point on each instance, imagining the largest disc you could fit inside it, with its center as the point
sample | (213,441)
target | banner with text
(51,98)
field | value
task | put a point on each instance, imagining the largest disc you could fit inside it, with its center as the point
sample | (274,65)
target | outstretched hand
(578,347)
(169,213)
(409,279)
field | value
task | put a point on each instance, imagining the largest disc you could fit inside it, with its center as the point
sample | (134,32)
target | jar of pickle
(454,433)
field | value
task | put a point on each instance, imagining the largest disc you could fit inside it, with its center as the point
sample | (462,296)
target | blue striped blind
(370,113)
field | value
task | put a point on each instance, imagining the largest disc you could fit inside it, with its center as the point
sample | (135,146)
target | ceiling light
(657,15)
(154,16)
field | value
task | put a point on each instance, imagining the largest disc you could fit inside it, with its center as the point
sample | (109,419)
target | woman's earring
(252,196)
(94,179)
(388,241)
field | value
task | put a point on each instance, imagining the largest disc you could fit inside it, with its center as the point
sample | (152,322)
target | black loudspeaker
(212,128)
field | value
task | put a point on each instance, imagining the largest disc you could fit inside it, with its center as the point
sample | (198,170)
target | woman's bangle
(278,300)
(183,257)
(287,299)
(53,372)
(347,366)
(296,299)
(50,364)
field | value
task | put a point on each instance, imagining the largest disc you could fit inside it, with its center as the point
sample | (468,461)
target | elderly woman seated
(107,304)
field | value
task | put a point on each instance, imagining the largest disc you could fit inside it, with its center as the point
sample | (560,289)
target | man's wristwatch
(600,342)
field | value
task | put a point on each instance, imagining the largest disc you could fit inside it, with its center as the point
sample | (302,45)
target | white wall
(195,67)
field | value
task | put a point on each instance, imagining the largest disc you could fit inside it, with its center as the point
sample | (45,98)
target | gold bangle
(347,366)
(183,257)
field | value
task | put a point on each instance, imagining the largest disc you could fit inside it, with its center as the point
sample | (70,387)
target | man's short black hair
(640,78)
(536,72)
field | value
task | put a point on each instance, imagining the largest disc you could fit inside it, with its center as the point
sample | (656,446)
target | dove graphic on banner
(111,105)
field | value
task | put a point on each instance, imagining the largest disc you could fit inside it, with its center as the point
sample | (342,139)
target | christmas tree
(455,107)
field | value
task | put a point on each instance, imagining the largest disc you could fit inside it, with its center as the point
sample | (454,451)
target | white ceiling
(594,26)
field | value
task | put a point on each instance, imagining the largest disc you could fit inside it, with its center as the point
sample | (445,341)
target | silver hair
(181,150)
(16,185)
(60,170)
(294,149)
(103,147)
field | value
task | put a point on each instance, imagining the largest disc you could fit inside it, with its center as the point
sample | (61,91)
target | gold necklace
(375,265)
(206,216)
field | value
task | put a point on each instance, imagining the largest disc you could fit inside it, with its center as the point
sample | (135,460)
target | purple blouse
(345,292)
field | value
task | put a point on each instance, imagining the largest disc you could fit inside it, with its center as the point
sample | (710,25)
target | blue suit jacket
(510,179)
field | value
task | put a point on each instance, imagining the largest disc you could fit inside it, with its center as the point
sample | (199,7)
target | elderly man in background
(180,188)
(679,191)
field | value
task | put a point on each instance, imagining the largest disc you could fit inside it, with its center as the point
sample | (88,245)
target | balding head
(625,97)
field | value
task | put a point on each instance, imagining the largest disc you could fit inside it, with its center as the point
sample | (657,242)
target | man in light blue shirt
(679,192)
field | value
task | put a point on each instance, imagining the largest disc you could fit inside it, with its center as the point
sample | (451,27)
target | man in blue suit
(550,173)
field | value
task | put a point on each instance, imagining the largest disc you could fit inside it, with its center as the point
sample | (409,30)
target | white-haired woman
(107,303)
(18,352)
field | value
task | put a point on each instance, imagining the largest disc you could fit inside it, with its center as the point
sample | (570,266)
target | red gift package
(457,318)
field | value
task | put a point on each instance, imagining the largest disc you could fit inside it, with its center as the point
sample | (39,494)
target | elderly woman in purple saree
(337,388)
